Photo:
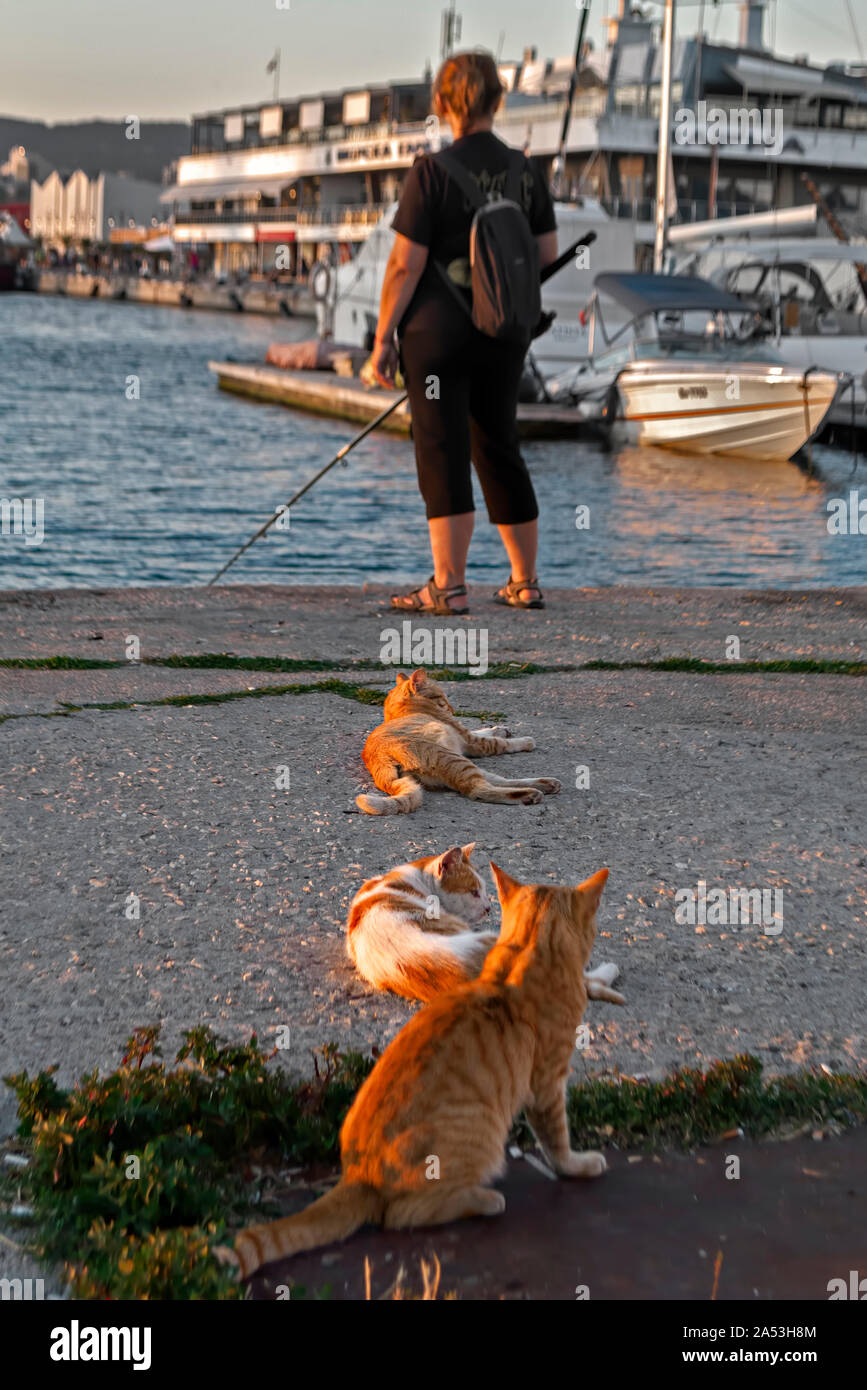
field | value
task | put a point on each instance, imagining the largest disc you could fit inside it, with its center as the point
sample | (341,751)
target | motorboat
(687,372)
(808,297)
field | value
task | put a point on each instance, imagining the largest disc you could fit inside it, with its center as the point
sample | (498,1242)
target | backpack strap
(462,177)
(515,176)
(470,189)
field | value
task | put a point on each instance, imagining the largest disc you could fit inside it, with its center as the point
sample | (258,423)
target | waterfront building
(80,209)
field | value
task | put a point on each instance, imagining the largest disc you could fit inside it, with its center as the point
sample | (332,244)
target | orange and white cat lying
(451,1082)
(415,930)
(420,743)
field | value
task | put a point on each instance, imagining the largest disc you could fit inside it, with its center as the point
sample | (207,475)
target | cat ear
(449,860)
(506,885)
(400,678)
(591,888)
(468,849)
(418,679)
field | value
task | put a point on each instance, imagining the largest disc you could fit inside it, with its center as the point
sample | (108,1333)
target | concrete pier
(158,865)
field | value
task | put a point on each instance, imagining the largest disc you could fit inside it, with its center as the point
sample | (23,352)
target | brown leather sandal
(412,602)
(508,595)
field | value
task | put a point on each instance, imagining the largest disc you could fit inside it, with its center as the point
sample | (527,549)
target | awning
(207,192)
(649,294)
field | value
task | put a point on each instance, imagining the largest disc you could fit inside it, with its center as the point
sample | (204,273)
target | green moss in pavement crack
(506,670)
(364,695)
(695,665)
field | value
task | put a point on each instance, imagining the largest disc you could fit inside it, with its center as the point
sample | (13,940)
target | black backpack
(504,256)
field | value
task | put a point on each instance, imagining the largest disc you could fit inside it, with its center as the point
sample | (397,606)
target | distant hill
(97,146)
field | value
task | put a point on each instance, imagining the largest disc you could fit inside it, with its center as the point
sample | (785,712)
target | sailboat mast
(664,155)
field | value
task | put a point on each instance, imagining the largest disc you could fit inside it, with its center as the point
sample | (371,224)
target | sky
(76,59)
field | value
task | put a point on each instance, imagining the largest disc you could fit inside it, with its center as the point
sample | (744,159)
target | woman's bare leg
(521,542)
(450,538)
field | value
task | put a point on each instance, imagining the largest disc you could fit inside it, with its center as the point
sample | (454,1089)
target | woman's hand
(384,361)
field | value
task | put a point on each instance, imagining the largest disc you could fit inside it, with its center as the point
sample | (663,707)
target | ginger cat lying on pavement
(449,1085)
(421,743)
(415,930)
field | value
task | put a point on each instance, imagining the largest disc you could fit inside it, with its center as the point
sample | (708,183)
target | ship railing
(688,209)
(350,214)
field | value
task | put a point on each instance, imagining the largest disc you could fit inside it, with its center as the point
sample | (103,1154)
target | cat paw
(527,796)
(521,745)
(549,785)
(597,990)
(490,1202)
(586,1165)
(226,1256)
(607,972)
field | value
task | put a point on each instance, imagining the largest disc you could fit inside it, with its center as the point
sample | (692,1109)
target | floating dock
(347,398)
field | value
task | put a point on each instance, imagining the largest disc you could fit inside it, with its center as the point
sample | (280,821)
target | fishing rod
(560,161)
(339,457)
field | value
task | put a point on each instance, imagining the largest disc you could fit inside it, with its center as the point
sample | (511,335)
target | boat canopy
(652,294)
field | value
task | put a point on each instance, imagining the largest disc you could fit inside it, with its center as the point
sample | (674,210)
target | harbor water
(150,475)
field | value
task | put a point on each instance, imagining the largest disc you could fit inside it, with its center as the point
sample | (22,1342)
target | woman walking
(462,384)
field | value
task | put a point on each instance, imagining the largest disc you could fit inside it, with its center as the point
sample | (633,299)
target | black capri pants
(463,394)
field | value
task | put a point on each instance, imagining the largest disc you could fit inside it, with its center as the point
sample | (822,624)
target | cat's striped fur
(420,743)
(415,930)
(425,1136)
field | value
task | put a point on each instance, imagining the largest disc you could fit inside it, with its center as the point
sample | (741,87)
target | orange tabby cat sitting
(420,743)
(415,930)
(425,1136)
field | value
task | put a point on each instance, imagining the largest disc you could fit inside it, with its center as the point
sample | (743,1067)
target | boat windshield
(687,346)
(682,346)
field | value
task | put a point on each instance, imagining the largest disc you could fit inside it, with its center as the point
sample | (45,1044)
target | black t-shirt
(434,212)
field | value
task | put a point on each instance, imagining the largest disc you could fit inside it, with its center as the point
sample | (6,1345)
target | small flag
(272,66)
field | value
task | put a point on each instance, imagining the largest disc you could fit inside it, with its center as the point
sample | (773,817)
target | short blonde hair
(468,86)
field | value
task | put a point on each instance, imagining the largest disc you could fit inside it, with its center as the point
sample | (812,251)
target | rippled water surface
(162,489)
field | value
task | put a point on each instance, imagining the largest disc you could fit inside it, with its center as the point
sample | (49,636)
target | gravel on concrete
(344,624)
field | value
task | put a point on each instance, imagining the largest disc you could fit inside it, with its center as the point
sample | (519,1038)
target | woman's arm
(547,244)
(402,274)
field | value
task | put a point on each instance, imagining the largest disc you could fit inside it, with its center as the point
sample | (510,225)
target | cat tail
(336,1215)
(404,794)
(416,964)
(439,963)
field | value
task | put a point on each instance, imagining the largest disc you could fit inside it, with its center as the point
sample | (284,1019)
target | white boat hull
(743,409)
